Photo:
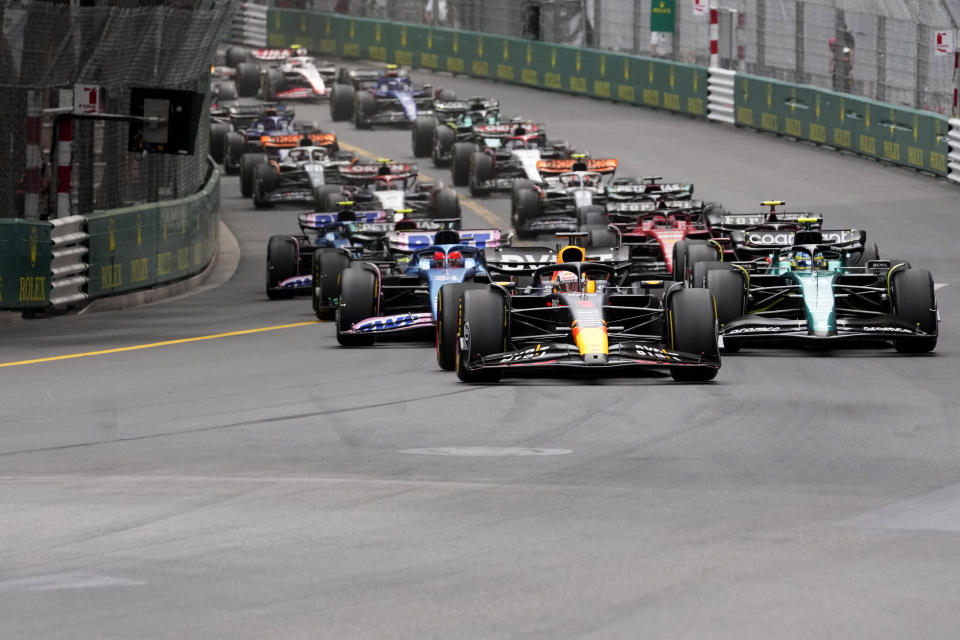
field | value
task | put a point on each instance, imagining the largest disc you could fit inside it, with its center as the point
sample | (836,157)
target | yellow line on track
(153,345)
(469,203)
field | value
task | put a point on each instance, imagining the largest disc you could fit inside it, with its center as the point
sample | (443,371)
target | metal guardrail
(249,26)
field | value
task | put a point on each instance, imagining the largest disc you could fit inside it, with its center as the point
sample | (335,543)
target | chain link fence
(47,47)
(879,49)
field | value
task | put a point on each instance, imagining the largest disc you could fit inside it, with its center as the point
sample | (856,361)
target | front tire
(364,106)
(448,311)
(423,132)
(687,253)
(914,301)
(481,170)
(358,301)
(248,164)
(480,323)
(328,265)
(341,102)
(460,165)
(693,329)
(446,205)
(443,141)
(526,210)
(282,262)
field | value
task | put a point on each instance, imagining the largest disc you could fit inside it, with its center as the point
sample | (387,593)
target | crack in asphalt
(245,423)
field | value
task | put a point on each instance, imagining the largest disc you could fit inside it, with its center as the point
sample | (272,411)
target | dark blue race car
(382,97)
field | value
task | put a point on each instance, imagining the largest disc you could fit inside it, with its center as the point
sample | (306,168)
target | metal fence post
(881,58)
(798,40)
(761,37)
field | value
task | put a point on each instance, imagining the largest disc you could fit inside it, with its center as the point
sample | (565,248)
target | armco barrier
(907,137)
(916,139)
(601,74)
(125,249)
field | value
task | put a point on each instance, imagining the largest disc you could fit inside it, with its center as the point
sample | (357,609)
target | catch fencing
(46,50)
(885,50)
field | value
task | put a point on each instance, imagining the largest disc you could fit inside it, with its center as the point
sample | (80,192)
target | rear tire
(481,320)
(358,301)
(446,205)
(915,302)
(282,262)
(265,180)
(591,215)
(328,264)
(341,102)
(690,252)
(603,237)
(730,298)
(235,55)
(247,79)
(870,252)
(423,132)
(693,330)
(460,165)
(236,144)
(218,141)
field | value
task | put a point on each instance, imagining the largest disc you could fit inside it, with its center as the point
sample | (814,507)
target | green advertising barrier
(907,137)
(25,254)
(141,246)
(601,74)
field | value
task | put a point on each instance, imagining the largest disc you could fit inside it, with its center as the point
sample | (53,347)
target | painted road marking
(469,203)
(60,581)
(935,511)
(939,285)
(486,452)
(153,345)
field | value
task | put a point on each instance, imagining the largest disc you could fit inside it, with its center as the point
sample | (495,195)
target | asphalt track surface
(273,484)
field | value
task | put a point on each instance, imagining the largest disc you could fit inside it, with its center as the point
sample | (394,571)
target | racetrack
(273,484)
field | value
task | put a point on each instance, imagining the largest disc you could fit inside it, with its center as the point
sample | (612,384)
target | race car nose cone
(595,359)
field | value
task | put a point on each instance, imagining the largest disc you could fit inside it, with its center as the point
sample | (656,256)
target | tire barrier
(953,158)
(66,262)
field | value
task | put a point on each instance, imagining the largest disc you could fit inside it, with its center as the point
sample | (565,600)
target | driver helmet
(455,260)
(801,260)
(438,260)
(565,282)
(588,180)
(819,260)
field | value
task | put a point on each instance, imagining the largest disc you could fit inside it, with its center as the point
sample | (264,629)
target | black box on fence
(175,118)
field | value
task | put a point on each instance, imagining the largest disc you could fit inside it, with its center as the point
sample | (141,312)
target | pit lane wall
(117,250)
(907,137)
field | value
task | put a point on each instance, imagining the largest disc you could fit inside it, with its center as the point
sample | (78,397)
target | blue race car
(381,96)
(400,293)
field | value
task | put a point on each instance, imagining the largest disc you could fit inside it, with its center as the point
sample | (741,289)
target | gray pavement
(272,484)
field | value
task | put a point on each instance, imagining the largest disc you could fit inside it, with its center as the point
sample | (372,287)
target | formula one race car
(294,75)
(391,185)
(504,155)
(580,315)
(290,258)
(398,294)
(297,177)
(572,189)
(274,129)
(453,122)
(802,288)
(380,96)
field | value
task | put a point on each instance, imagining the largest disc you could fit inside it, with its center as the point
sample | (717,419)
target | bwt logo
(322,219)
(479,239)
(387,323)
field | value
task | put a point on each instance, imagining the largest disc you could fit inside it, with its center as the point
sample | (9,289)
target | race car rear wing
(759,219)
(518,260)
(321,220)
(412,240)
(499,130)
(650,206)
(596,165)
(288,140)
(365,171)
(276,54)
(779,239)
(631,190)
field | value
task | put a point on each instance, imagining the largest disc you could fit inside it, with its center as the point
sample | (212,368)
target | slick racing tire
(460,165)
(358,301)
(248,163)
(699,271)
(422,133)
(481,170)
(236,144)
(247,79)
(730,297)
(364,107)
(518,185)
(282,261)
(328,198)
(602,237)
(443,141)
(448,312)
(687,253)
(274,83)
(526,210)
(234,56)
(446,205)
(227,91)
(265,180)
(692,329)
(591,215)
(341,102)
(328,264)
(480,323)
(218,141)
(914,301)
